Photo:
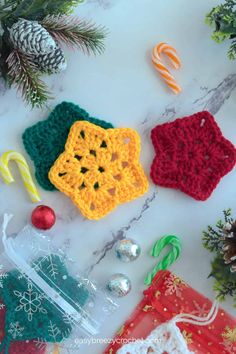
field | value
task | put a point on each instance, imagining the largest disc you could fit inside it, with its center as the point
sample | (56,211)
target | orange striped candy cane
(171,53)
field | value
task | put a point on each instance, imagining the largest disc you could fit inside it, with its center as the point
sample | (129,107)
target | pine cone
(229,245)
(31,38)
(52,62)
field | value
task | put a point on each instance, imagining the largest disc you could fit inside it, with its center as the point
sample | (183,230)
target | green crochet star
(45,140)
(29,313)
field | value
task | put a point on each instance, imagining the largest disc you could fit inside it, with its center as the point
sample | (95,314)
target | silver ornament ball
(119,285)
(127,250)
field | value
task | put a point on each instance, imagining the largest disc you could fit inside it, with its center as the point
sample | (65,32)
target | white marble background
(122,87)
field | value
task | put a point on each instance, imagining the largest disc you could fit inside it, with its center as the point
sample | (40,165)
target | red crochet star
(191,155)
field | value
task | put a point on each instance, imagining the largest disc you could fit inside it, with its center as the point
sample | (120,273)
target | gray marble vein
(105,4)
(67,212)
(153,119)
(214,98)
(169,113)
(121,233)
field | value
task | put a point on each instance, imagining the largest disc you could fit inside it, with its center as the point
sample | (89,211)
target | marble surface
(122,87)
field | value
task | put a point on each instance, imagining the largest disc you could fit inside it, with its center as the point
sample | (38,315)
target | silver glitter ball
(127,250)
(119,285)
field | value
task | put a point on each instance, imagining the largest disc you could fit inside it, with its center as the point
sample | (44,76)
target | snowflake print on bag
(15,330)
(229,347)
(3,276)
(209,339)
(229,339)
(30,301)
(200,310)
(230,334)
(174,285)
(55,335)
(52,266)
(187,336)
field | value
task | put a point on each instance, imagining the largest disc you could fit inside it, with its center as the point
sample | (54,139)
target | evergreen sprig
(7,7)
(76,33)
(223,18)
(232,50)
(36,9)
(225,280)
(224,289)
(5,51)
(22,70)
(23,74)
(212,239)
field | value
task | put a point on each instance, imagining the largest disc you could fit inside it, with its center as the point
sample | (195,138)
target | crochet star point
(99,168)
(192,155)
(45,140)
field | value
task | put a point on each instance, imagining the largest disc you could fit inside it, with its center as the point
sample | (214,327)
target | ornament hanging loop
(169,259)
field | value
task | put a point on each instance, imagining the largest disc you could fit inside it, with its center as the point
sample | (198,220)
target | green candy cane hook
(170,258)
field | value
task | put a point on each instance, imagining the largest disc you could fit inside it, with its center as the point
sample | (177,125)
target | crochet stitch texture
(45,140)
(99,168)
(32,310)
(166,338)
(192,155)
(19,347)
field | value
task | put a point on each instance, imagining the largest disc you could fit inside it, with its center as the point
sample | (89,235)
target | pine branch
(229,4)
(219,36)
(9,5)
(7,8)
(224,289)
(23,74)
(213,231)
(5,51)
(223,18)
(76,33)
(232,51)
(221,271)
(225,280)
(38,9)
(228,216)
(212,240)
(67,6)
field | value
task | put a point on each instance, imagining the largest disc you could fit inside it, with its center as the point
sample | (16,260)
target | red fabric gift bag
(167,297)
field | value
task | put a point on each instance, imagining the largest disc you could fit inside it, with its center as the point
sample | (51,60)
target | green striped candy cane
(170,258)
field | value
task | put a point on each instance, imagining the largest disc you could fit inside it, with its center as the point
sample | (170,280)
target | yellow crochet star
(99,168)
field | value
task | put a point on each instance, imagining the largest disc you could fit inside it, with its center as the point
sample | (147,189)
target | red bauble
(43,217)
